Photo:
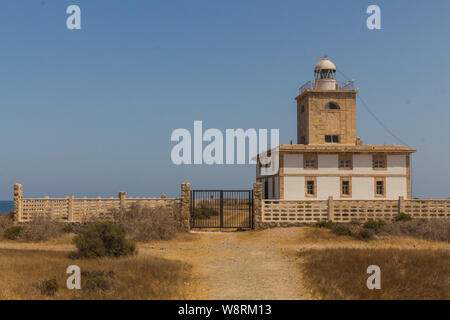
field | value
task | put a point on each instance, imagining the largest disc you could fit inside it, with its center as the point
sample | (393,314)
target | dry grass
(433,230)
(148,224)
(6,221)
(405,273)
(139,277)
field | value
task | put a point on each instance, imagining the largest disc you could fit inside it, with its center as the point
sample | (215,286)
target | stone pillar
(401,204)
(123,200)
(186,205)
(330,208)
(18,195)
(70,208)
(257,205)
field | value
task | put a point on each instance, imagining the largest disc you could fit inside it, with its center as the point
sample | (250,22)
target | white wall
(328,163)
(362,187)
(294,188)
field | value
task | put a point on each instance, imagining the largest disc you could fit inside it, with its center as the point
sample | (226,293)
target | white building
(330,160)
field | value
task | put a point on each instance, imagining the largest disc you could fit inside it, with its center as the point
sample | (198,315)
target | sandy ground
(250,265)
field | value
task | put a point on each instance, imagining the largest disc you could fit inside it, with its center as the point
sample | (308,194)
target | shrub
(324,224)
(12,233)
(374,224)
(98,281)
(341,230)
(6,220)
(363,234)
(48,287)
(103,239)
(41,228)
(204,212)
(402,217)
(141,223)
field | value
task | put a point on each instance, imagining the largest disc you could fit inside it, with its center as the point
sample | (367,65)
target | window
(310,164)
(303,108)
(266,189)
(273,188)
(332,139)
(345,164)
(310,186)
(310,161)
(380,187)
(331,106)
(345,161)
(379,162)
(346,187)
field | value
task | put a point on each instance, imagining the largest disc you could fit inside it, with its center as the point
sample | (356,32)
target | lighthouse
(329,160)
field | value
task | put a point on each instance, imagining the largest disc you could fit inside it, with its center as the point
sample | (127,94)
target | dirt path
(244,265)
(237,265)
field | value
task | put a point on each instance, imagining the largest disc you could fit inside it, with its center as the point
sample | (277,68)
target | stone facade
(18,195)
(257,205)
(314,121)
(186,204)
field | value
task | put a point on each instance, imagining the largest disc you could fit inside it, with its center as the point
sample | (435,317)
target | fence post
(123,200)
(70,208)
(401,204)
(330,208)
(18,209)
(186,205)
(257,204)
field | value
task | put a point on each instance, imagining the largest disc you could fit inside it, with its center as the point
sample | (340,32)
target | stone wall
(272,213)
(70,209)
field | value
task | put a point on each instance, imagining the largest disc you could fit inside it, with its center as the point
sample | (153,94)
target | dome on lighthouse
(325,64)
(325,75)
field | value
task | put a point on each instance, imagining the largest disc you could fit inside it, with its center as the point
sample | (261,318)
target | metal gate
(222,208)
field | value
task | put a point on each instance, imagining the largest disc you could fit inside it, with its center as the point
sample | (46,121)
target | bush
(12,233)
(374,224)
(48,287)
(103,239)
(363,234)
(204,212)
(6,220)
(41,228)
(402,217)
(341,230)
(98,281)
(141,223)
(324,224)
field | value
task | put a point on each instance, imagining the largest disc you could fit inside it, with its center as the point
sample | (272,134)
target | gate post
(70,208)
(186,205)
(401,204)
(257,204)
(122,200)
(18,195)
(330,209)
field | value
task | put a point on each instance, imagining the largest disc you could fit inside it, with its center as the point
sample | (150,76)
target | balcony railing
(340,85)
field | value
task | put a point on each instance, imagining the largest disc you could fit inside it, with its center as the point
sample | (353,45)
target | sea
(6,206)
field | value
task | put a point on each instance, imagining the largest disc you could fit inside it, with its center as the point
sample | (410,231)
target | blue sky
(90,112)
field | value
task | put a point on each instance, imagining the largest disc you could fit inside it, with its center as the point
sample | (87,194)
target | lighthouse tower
(326,109)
